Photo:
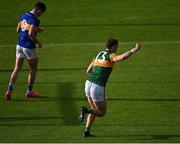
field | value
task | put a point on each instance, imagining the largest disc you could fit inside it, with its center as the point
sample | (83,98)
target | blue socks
(29,89)
(10,88)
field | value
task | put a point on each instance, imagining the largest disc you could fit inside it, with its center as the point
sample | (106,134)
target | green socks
(89,111)
(87,129)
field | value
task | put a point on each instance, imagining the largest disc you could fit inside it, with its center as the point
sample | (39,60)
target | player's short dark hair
(41,5)
(111,42)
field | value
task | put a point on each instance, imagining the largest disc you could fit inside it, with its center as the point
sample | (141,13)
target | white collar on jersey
(33,13)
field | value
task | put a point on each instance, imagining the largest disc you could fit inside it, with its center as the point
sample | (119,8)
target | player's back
(102,68)
(26,20)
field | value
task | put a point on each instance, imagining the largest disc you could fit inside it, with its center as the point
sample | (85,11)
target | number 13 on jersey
(101,57)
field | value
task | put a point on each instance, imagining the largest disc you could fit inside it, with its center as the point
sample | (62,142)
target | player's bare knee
(93,116)
(17,69)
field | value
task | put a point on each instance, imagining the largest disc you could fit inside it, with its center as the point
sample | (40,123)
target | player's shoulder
(26,15)
(105,54)
(30,17)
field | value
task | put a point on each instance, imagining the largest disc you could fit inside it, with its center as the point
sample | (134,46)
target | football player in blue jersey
(28,27)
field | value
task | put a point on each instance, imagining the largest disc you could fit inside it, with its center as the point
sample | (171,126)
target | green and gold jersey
(102,68)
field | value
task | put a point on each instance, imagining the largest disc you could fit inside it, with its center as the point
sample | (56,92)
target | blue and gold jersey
(26,20)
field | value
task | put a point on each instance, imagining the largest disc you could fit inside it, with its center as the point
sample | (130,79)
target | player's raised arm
(127,54)
(89,69)
(32,34)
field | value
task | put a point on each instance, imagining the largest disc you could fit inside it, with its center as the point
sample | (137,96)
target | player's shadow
(120,23)
(67,103)
(46,69)
(29,118)
(148,137)
(140,99)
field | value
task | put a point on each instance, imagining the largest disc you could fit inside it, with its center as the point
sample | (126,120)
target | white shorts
(95,91)
(22,52)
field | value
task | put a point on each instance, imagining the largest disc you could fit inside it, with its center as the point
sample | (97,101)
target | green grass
(142,92)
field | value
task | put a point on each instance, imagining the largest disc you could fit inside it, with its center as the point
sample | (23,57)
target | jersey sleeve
(22,17)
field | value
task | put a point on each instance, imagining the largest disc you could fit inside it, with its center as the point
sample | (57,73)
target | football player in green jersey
(99,71)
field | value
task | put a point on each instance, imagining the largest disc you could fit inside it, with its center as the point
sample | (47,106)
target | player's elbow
(31,35)
(116,59)
(125,57)
(88,71)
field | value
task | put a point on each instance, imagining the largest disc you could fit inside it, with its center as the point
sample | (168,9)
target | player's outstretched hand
(137,47)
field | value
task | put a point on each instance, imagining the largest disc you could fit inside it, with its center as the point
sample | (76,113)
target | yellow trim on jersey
(24,25)
(105,63)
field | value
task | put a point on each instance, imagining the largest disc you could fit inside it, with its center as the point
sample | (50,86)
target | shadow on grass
(46,69)
(40,98)
(164,136)
(56,98)
(147,137)
(12,119)
(104,25)
(67,104)
(136,99)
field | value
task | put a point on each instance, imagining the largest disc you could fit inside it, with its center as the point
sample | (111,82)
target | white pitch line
(96,44)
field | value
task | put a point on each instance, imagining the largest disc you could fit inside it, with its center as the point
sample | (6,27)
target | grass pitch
(142,92)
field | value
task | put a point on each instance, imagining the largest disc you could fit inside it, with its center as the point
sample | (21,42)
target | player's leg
(31,55)
(33,69)
(14,75)
(97,93)
(18,65)
(90,119)
(98,109)
(83,109)
(33,63)
(98,97)
(17,68)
